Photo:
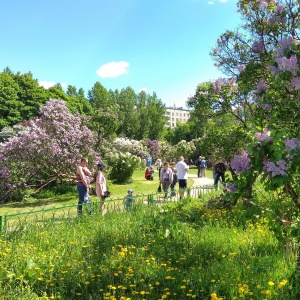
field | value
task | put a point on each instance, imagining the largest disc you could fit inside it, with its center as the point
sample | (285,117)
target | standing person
(219,171)
(100,181)
(175,179)
(166,178)
(128,200)
(203,166)
(159,166)
(199,166)
(83,182)
(182,174)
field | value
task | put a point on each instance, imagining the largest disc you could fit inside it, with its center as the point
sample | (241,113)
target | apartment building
(176,114)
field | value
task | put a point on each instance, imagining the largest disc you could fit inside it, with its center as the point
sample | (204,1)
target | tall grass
(176,251)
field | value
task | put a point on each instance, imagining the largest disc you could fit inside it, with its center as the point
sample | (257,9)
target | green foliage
(122,166)
(157,252)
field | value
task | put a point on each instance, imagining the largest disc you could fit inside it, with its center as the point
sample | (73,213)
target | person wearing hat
(100,182)
(128,200)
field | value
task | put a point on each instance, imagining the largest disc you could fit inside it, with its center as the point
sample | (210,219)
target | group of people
(83,176)
(169,175)
(201,165)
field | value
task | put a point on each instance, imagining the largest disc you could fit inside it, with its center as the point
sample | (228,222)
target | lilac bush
(241,163)
(48,149)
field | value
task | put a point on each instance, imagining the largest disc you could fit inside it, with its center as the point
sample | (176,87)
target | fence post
(150,199)
(0,223)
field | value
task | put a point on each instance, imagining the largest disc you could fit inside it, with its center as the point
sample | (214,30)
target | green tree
(127,114)
(10,108)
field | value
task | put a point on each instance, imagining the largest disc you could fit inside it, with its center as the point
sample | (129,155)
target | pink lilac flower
(263,137)
(291,144)
(261,87)
(275,170)
(266,106)
(241,163)
(216,51)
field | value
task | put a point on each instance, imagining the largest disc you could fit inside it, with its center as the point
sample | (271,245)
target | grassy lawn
(48,199)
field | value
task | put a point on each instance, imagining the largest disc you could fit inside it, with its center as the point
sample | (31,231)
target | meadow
(181,250)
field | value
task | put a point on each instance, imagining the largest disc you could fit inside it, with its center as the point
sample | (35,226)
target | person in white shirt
(182,175)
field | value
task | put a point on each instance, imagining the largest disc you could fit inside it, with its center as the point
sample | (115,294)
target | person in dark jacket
(219,172)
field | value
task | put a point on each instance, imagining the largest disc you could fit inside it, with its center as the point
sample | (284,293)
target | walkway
(200,181)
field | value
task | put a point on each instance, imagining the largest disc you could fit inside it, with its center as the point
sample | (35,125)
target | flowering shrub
(132,146)
(47,150)
(122,166)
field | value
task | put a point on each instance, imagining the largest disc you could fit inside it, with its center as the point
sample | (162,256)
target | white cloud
(210,3)
(223,1)
(143,89)
(49,84)
(113,69)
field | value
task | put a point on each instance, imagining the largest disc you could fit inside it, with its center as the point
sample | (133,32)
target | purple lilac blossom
(231,187)
(266,106)
(263,137)
(288,64)
(291,144)
(258,46)
(241,68)
(241,163)
(273,69)
(296,83)
(275,170)
(261,87)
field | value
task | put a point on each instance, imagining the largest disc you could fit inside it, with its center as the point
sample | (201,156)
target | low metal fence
(19,220)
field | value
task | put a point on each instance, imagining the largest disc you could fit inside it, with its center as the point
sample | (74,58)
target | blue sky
(159,46)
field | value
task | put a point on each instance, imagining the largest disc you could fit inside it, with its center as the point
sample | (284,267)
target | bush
(122,167)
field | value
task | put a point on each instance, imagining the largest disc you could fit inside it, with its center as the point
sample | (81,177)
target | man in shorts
(182,175)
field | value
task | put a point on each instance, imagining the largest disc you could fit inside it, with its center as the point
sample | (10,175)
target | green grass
(51,198)
(178,251)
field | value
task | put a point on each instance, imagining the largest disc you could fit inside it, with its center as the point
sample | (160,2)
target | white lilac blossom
(274,169)
(241,163)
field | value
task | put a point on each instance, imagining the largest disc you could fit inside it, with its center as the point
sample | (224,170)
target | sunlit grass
(146,253)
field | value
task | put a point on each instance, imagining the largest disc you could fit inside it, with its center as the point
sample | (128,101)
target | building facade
(175,115)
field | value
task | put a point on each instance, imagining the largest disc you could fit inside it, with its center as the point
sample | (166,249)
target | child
(128,200)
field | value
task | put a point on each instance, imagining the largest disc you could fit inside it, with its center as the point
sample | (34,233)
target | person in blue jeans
(83,182)
(219,172)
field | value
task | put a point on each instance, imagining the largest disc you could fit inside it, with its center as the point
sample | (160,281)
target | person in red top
(83,182)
